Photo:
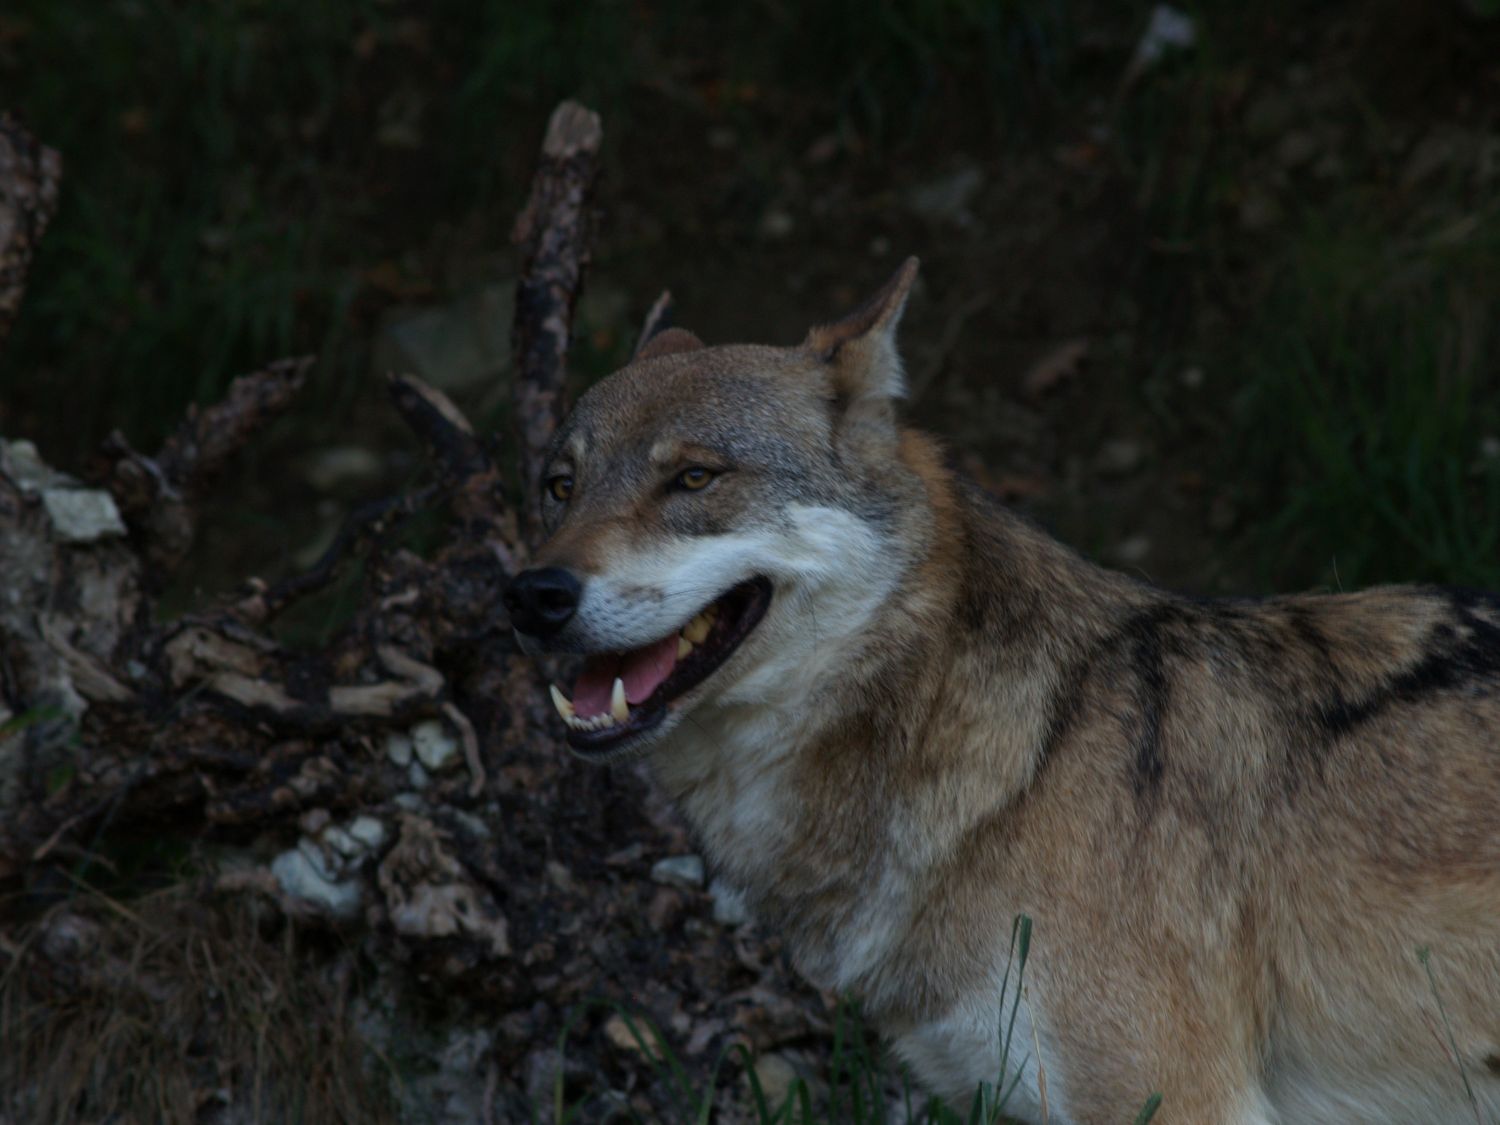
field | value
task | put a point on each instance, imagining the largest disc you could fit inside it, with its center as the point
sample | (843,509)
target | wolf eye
(691,480)
(560,488)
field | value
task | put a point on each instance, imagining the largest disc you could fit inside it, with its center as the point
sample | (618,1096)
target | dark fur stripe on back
(1463,651)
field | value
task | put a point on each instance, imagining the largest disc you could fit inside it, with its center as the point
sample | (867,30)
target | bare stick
(29,174)
(552,234)
(158,495)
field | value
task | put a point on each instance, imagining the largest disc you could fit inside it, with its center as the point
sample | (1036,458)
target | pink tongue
(642,670)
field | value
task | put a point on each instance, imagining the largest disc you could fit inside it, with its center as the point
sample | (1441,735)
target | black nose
(542,600)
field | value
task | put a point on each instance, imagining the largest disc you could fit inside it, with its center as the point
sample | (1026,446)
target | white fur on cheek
(825,564)
(832,570)
(648,594)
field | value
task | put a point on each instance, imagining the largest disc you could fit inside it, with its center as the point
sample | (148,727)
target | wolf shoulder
(1383,705)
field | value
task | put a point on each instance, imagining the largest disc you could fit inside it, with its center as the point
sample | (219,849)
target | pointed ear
(657,338)
(668,341)
(861,348)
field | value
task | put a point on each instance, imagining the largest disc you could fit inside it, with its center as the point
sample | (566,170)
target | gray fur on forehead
(744,401)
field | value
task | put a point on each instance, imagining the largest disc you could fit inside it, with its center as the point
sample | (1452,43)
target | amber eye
(561,488)
(691,480)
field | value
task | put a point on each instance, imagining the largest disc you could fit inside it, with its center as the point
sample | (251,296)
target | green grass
(235,169)
(1369,413)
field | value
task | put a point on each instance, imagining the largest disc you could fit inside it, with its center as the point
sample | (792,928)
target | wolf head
(722,522)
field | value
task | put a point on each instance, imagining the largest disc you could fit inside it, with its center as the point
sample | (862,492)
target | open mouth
(621,694)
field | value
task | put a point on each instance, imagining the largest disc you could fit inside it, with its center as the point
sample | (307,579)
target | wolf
(1259,840)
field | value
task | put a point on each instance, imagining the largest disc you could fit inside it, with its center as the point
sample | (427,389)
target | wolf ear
(860,350)
(657,339)
(668,341)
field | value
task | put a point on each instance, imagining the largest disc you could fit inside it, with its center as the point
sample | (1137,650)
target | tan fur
(1232,822)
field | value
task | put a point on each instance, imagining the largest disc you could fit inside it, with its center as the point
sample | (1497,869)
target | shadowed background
(1257,277)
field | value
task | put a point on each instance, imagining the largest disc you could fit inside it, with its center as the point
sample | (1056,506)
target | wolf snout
(542,600)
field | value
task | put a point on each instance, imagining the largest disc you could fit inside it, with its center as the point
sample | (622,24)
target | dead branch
(158,495)
(552,234)
(366,525)
(29,176)
(209,723)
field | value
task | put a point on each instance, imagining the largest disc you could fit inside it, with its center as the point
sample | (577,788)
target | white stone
(23,465)
(340,841)
(729,904)
(319,860)
(369,832)
(300,879)
(435,746)
(81,515)
(776,1076)
(679,871)
(398,748)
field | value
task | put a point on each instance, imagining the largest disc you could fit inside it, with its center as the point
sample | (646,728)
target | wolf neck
(833,811)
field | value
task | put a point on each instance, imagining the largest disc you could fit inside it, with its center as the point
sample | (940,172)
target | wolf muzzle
(542,600)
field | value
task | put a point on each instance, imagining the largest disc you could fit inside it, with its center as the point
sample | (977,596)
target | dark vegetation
(1231,320)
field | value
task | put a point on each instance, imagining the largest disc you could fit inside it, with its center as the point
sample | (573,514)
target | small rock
(722,138)
(729,904)
(618,1031)
(398,748)
(369,832)
(417,777)
(82,515)
(318,859)
(470,824)
(1118,457)
(314,820)
(301,879)
(776,1076)
(561,877)
(1489,448)
(436,747)
(1168,30)
(626,855)
(23,465)
(1191,378)
(880,246)
(340,841)
(680,871)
